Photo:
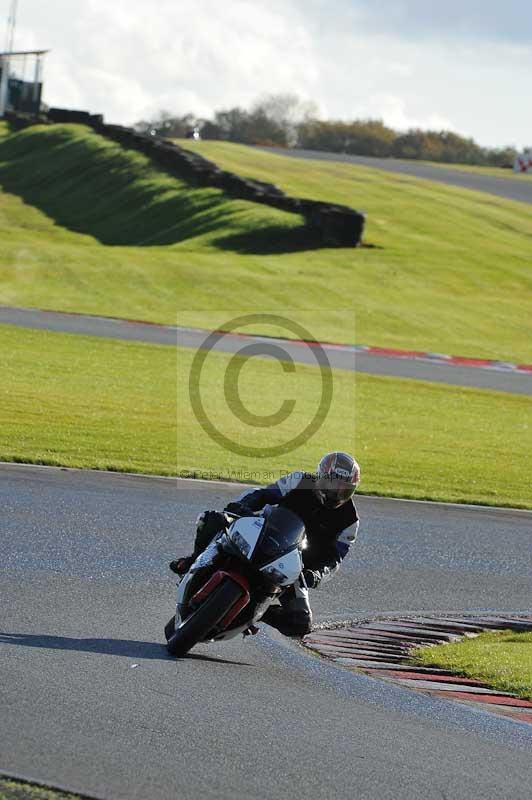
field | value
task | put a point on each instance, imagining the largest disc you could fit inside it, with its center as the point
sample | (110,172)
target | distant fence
(337,225)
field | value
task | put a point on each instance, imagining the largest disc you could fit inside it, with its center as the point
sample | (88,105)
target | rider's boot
(288,621)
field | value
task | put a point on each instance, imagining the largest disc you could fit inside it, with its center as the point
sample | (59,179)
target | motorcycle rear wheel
(201,622)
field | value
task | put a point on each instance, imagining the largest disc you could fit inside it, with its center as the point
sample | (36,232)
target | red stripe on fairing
(244,600)
(235,611)
(215,580)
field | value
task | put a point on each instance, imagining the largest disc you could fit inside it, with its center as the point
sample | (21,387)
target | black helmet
(337,477)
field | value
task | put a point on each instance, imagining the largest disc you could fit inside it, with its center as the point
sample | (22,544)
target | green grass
(11,789)
(91,185)
(451,272)
(502,659)
(226,148)
(102,404)
(74,401)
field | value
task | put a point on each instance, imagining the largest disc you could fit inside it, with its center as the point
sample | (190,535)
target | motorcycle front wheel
(205,618)
(169,628)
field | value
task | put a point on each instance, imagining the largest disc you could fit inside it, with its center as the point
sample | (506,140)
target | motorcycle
(230,586)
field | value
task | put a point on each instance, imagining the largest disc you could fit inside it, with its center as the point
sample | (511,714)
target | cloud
(411,62)
(394,111)
(135,57)
(413,20)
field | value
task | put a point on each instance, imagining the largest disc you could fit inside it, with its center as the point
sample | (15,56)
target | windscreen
(283,531)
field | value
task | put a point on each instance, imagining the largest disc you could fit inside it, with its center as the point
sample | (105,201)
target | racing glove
(210,522)
(238,508)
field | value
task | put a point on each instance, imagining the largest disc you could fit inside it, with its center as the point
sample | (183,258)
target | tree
(286,112)
(248,127)
(165,124)
(286,121)
(361,137)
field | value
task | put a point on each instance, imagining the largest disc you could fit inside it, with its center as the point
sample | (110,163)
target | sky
(462,65)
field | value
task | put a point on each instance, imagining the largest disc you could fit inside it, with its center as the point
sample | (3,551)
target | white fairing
(244,533)
(202,560)
(286,569)
(247,529)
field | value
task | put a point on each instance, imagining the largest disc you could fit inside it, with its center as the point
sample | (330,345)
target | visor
(333,492)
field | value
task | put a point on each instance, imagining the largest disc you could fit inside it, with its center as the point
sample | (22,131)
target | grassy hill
(89,227)
(86,226)
(90,185)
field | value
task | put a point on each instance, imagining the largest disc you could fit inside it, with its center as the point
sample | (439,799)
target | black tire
(169,628)
(201,621)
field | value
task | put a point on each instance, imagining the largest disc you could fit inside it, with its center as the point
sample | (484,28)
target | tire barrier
(335,225)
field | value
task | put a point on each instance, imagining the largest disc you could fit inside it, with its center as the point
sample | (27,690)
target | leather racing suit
(330,533)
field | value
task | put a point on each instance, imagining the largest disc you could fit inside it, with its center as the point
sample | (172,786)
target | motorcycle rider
(324,502)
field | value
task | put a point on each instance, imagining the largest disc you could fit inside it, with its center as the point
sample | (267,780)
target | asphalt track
(90,701)
(342,358)
(518,188)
